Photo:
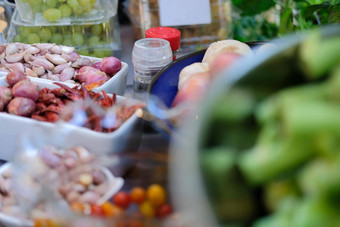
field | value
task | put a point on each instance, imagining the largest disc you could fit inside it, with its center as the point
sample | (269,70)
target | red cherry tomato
(138,195)
(122,199)
(164,210)
(97,210)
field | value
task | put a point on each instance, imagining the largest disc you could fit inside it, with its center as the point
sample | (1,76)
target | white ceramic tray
(126,137)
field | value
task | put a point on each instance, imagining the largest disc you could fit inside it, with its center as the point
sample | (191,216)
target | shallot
(89,75)
(111,65)
(14,77)
(5,96)
(26,89)
(21,106)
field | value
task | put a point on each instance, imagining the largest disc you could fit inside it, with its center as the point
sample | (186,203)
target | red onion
(21,106)
(97,65)
(111,65)
(26,89)
(14,77)
(5,96)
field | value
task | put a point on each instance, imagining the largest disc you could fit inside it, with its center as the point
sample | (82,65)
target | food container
(12,221)
(146,14)
(42,12)
(126,137)
(115,84)
(95,38)
(226,197)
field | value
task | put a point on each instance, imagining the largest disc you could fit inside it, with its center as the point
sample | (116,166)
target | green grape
(93,2)
(51,3)
(62,1)
(23,31)
(73,3)
(36,8)
(78,10)
(34,29)
(44,7)
(87,8)
(45,34)
(65,10)
(93,41)
(84,2)
(17,39)
(97,29)
(52,14)
(67,42)
(33,38)
(99,53)
(77,29)
(57,39)
(108,53)
(78,39)
(84,52)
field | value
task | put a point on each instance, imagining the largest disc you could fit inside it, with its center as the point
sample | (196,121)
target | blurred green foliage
(261,20)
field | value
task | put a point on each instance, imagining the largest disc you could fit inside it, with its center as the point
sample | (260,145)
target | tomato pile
(149,203)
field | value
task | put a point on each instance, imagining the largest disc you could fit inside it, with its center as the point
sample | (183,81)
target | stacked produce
(57,63)
(194,79)
(23,97)
(72,172)
(277,160)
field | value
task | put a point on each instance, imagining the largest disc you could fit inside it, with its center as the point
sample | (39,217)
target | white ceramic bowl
(115,183)
(126,137)
(115,84)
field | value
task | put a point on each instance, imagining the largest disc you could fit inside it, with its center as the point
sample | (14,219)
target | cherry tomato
(138,195)
(111,210)
(147,209)
(156,195)
(164,210)
(122,199)
(97,210)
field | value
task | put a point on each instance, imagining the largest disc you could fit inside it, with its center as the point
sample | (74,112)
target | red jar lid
(173,35)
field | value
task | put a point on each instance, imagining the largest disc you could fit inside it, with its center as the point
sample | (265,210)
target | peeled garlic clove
(30,72)
(67,74)
(11,49)
(56,50)
(15,67)
(85,179)
(67,49)
(32,50)
(15,57)
(39,70)
(47,65)
(55,59)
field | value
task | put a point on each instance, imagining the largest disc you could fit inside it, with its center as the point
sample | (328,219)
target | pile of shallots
(57,63)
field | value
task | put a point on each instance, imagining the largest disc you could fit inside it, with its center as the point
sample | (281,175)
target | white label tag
(184,12)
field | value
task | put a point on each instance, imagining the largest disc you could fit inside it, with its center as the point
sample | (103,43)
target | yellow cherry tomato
(156,194)
(147,209)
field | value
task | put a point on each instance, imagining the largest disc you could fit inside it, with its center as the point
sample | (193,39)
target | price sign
(184,12)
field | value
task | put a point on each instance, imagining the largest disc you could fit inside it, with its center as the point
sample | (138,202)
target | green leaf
(252,7)
(334,15)
(286,22)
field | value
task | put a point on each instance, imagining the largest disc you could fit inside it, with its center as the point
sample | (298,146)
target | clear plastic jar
(149,56)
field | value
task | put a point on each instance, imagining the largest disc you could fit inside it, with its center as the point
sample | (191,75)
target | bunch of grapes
(91,40)
(53,10)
